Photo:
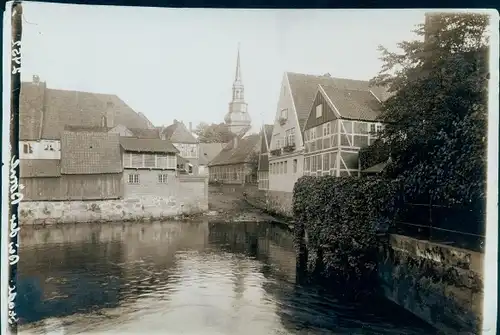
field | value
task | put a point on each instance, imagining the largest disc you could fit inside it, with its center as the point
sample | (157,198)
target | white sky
(180,63)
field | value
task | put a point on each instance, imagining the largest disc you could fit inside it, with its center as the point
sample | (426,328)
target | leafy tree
(437,113)
(213,133)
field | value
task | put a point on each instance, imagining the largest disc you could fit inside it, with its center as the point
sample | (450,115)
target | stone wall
(440,284)
(191,197)
(272,201)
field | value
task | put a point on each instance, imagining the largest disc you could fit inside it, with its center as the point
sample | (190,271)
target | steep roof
(304,88)
(268,130)
(239,154)
(40,168)
(354,104)
(147,145)
(178,133)
(145,133)
(86,152)
(208,151)
(44,112)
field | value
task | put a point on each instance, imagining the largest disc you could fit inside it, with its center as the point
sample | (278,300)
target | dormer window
(49,147)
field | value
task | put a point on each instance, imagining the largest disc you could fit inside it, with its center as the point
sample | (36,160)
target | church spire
(237,77)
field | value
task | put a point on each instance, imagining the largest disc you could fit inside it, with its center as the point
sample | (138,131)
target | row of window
(345,127)
(282,167)
(343,160)
(263,180)
(161,161)
(133,178)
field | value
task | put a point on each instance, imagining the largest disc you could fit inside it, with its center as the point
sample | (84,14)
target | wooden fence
(73,187)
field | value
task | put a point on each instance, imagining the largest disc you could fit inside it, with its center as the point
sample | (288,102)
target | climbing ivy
(342,217)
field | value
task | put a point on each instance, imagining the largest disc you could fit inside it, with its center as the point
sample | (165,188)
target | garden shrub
(342,217)
(374,154)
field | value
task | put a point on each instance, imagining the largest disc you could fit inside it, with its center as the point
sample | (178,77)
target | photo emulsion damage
(203,171)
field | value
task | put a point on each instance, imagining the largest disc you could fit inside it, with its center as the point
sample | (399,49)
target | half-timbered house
(263,169)
(341,122)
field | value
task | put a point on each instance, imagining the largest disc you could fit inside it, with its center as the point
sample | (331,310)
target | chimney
(36,79)
(190,127)
(110,114)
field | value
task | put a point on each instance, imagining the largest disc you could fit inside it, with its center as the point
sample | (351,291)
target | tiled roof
(377,168)
(208,151)
(145,133)
(239,154)
(96,129)
(40,168)
(264,162)
(353,104)
(304,88)
(90,153)
(268,129)
(178,133)
(31,102)
(45,112)
(147,145)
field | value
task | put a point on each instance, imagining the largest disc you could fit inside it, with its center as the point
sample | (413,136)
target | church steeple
(237,118)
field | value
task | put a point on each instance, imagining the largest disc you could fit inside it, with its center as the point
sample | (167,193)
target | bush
(374,154)
(342,217)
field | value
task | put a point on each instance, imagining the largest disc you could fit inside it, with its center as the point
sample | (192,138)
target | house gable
(121,130)
(285,103)
(328,112)
(178,133)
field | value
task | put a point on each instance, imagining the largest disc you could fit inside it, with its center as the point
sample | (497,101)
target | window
(284,114)
(379,128)
(149,161)
(313,134)
(281,168)
(307,162)
(319,110)
(285,166)
(326,162)
(327,129)
(372,128)
(290,137)
(27,148)
(49,147)
(163,178)
(294,166)
(133,179)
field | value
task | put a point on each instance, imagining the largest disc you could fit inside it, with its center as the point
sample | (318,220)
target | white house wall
(43,149)
(285,182)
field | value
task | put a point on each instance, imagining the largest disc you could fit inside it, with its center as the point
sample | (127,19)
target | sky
(180,63)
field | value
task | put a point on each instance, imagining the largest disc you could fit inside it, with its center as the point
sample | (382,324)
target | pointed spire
(237,77)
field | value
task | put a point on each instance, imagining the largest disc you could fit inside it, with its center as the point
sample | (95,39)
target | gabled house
(286,159)
(182,138)
(208,151)
(263,169)
(341,122)
(149,167)
(50,121)
(44,112)
(236,163)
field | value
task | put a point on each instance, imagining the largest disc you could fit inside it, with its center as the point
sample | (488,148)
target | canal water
(181,278)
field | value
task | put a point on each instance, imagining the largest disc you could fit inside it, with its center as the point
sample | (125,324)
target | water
(181,278)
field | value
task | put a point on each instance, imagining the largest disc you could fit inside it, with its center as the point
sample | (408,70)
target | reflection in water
(172,278)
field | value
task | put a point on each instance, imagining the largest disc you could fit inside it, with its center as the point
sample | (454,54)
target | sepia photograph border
(12,190)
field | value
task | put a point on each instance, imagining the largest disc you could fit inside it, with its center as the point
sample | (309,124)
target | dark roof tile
(178,133)
(354,104)
(147,145)
(305,86)
(145,133)
(90,153)
(239,154)
(208,151)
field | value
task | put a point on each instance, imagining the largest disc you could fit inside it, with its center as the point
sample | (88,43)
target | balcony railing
(289,147)
(276,152)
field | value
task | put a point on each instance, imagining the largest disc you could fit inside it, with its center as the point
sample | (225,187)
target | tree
(437,114)
(213,133)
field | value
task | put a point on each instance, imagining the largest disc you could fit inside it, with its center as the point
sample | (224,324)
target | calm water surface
(181,278)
